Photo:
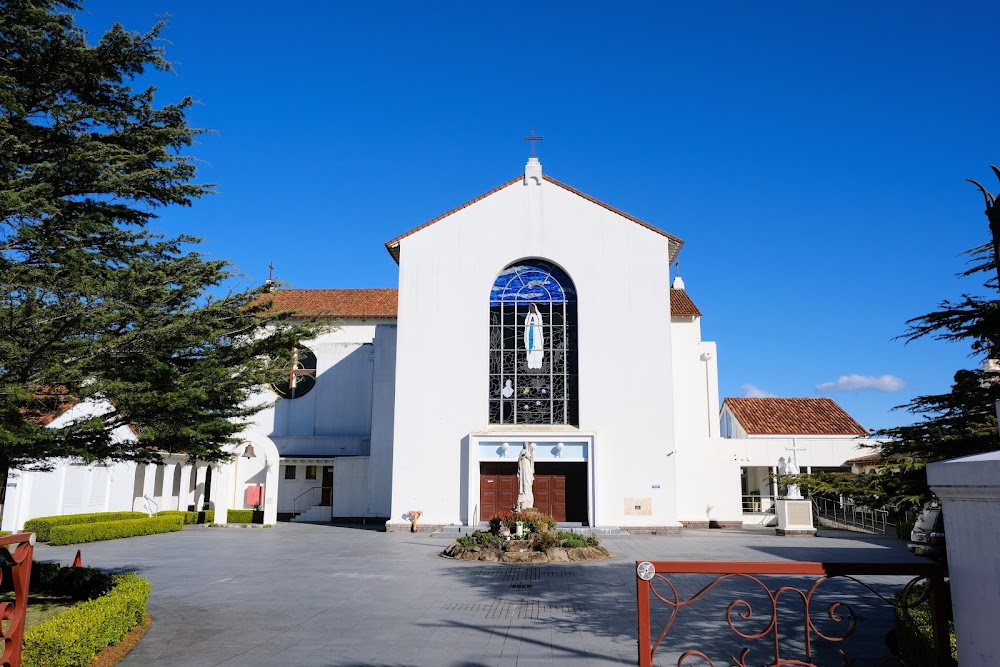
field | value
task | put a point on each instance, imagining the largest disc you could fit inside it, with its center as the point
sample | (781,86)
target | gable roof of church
(350,303)
(793,416)
(382,302)
(674,243)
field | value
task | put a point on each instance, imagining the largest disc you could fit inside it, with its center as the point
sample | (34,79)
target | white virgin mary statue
(533,340)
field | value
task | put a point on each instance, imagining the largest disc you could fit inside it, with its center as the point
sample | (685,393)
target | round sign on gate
(645,570)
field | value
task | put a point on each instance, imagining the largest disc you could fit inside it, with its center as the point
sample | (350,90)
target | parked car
(927,537)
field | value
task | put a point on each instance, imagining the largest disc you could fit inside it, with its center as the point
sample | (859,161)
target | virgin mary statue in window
(534,342)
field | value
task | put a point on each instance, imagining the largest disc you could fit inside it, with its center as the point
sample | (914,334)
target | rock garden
(525,536)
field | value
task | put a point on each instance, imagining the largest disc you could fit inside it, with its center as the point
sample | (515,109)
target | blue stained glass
(532,280)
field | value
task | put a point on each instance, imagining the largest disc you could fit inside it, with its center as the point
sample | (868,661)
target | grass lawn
(41,607)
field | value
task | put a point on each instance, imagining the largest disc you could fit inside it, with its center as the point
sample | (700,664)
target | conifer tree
(93,303)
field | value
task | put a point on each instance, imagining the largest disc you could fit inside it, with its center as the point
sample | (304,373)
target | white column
(222,490)
(184,496)
(167,500)
(148,484)
(969,489)
(271,492)
(200,474)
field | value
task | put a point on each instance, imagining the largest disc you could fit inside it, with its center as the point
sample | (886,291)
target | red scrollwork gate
(17,550)
(655,583)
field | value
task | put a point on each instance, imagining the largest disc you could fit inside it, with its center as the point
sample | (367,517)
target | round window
(301,376)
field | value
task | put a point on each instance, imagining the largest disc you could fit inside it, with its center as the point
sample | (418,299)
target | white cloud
(753,391)
(860,382)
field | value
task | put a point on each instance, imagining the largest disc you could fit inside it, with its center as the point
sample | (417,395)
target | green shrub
(5,533)
(42,526)
(480,538)
(74,637)
(79,583)
(112,530)
(544,542)
(190,517)
(571,540)
(914,639)
(245,516)
(530,521)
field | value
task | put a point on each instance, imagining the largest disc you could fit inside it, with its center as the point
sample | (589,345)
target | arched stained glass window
(533,358)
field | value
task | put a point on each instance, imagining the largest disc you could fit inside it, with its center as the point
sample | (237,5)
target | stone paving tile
(309,595)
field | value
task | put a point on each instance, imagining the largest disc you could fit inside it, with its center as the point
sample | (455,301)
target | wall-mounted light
(503,449)
(559,449)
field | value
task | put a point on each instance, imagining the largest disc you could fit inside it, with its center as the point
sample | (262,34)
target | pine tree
(93,304)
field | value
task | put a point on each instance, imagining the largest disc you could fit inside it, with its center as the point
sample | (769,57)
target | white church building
(421,397)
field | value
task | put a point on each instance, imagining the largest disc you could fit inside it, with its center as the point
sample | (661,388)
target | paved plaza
(301,594)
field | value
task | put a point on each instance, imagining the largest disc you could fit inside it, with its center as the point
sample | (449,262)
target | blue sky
(811,155)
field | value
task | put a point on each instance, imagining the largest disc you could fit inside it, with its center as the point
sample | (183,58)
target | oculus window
(301,376)
(533,355)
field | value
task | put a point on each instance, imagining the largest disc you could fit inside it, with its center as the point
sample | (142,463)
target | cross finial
(533,139)
(270,271)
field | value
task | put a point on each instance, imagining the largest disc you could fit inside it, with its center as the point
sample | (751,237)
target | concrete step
(315,514)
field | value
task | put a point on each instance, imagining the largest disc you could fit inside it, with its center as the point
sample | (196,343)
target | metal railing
(151,506)
(18,552)
(833,622)
(846,512)
(311,496)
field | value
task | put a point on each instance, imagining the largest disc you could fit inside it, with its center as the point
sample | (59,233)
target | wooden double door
(560,489)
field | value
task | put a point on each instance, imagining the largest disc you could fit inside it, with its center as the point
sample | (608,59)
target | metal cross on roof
(270,271)
(533,139)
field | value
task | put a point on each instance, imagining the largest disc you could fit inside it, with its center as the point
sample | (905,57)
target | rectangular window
(310,472)
(290,472)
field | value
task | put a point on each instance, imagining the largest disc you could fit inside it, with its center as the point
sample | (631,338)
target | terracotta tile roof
(353,303)
(52,403)
(793,416)
(867,458)
(681,304)
(382,302)
(674,242)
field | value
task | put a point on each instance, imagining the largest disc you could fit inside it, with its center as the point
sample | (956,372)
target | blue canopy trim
(532,281)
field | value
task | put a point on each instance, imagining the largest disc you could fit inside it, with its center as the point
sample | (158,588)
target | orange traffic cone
(77,562)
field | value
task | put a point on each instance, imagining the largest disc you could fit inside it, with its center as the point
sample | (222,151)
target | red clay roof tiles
(382,302)
(350,303)
(793,416)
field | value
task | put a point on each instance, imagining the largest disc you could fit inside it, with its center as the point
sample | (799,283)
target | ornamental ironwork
(17,552)
(793,620)
(533,355)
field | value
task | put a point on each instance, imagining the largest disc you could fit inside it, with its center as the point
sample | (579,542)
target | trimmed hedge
(112,530)
(245,516)
(42,526)
(207,516)
(74,637)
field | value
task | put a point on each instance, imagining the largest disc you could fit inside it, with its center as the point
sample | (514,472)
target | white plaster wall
(820,451)
(350,487)
(340,405)
(709,485)
(620,271)
(290,489)
(383,414)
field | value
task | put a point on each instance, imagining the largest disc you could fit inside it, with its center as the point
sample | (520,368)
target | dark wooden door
(497,488)
(326,492)
(560,490)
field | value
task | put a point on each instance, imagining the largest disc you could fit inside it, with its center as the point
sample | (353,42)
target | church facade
(563,334)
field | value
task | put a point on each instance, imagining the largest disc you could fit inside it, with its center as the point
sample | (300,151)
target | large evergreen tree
(93,304)
(958,423)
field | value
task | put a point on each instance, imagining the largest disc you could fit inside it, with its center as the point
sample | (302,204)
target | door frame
(487,446)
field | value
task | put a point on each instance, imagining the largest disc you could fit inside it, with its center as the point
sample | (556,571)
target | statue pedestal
(795,518)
